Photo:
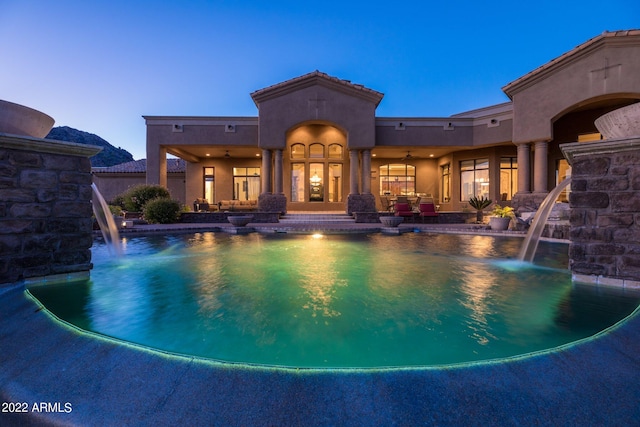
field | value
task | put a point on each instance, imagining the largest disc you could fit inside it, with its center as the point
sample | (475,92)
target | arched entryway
(577,125)
(316,168)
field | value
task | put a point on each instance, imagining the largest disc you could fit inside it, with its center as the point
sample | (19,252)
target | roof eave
(606,38)
(316,78)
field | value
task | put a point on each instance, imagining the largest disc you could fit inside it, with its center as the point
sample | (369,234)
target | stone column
(540,167)
(524,168)
(278,183)
(157,166)
(353,172)
(366,172)
(266,171)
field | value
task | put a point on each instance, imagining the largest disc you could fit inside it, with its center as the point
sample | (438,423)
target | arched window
(297,151)
(316,151)
(318,177)
(335,151)
(397,179)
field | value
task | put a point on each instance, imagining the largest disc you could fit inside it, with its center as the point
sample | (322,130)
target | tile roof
(315,76)
(140,166)
(512,87)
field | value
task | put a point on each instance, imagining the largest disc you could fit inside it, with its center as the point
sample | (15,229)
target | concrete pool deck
(78,378)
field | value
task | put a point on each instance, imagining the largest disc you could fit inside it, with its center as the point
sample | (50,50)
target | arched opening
(577,125)
(317,164)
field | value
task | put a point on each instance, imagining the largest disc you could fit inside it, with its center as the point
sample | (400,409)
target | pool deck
(85,379)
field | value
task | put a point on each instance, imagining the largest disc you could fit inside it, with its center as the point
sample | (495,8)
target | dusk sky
(99,66)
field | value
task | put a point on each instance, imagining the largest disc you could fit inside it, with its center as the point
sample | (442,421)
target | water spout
(105,220)
(530,244)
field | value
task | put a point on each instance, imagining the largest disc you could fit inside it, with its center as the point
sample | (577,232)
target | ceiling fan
(408,156)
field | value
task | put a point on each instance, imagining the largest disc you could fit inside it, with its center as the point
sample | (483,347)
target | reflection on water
(416,299)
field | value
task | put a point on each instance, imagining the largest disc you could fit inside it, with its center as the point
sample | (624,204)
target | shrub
(135,198)
(118,201)
(161,211)
(115,210)
(479,203)
(503,212)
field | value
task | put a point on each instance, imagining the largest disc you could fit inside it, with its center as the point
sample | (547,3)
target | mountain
(109,155)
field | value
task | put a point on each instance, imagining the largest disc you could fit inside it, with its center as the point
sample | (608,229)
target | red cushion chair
(427,210)
(403,209)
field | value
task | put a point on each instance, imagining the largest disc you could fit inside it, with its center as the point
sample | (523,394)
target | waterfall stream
(105,220)
(530,244)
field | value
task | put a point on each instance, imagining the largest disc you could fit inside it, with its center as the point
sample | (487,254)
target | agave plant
(479,204)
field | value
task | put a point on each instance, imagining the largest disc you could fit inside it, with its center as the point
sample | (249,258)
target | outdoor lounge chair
(427,210)
(403,210)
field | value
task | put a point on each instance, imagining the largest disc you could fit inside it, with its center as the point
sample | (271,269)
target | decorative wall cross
(317,104)
(606,68)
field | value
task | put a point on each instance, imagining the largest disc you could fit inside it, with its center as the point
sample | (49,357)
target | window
(316,182)
(445,179)
(474,178)
(246,183)
(209,185)
(318,177)
(508,177)
(297,151)
(316,151)
(563,171)
(586,137)
(335,182)
(335,151)
(397,179)
(297,182)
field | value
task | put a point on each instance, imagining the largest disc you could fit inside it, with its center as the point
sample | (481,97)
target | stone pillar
(278,182)
(604,205)
(366,172)
(540,167)
(45,210)
(524,168)
(357,202)
(266,172)
(269,201)
(353,172)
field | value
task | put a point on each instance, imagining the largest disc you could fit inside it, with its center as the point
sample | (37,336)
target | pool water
(336,300)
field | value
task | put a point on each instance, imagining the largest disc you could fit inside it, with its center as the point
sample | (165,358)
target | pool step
(317,219)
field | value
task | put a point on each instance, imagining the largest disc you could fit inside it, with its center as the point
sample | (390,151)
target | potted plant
(501,217)
(479,204)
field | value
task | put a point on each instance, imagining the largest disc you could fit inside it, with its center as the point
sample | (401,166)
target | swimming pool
(336,301)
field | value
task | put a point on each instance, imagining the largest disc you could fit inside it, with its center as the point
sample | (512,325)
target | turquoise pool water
(336,300)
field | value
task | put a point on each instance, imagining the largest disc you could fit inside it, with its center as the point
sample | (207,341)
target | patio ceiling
(197,153)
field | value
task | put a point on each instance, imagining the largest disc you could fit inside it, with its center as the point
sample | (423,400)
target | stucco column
(524,168)
(366,171)
(353,172)
(266,171)
(278,172)
(540,167)
(157,166)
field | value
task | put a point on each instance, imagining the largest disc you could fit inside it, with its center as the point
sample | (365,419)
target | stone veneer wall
(605,209)
(45,208)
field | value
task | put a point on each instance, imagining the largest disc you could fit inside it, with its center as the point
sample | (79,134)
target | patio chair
(414,202)
(386,204)
(403,210)
(427,210)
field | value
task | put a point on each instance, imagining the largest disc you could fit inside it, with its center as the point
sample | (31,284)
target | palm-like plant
(479,203)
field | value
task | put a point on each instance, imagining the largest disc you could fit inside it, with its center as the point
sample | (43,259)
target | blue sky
(98,66)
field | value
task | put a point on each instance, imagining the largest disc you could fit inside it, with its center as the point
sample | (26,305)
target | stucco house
(317,144)
(115,180)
